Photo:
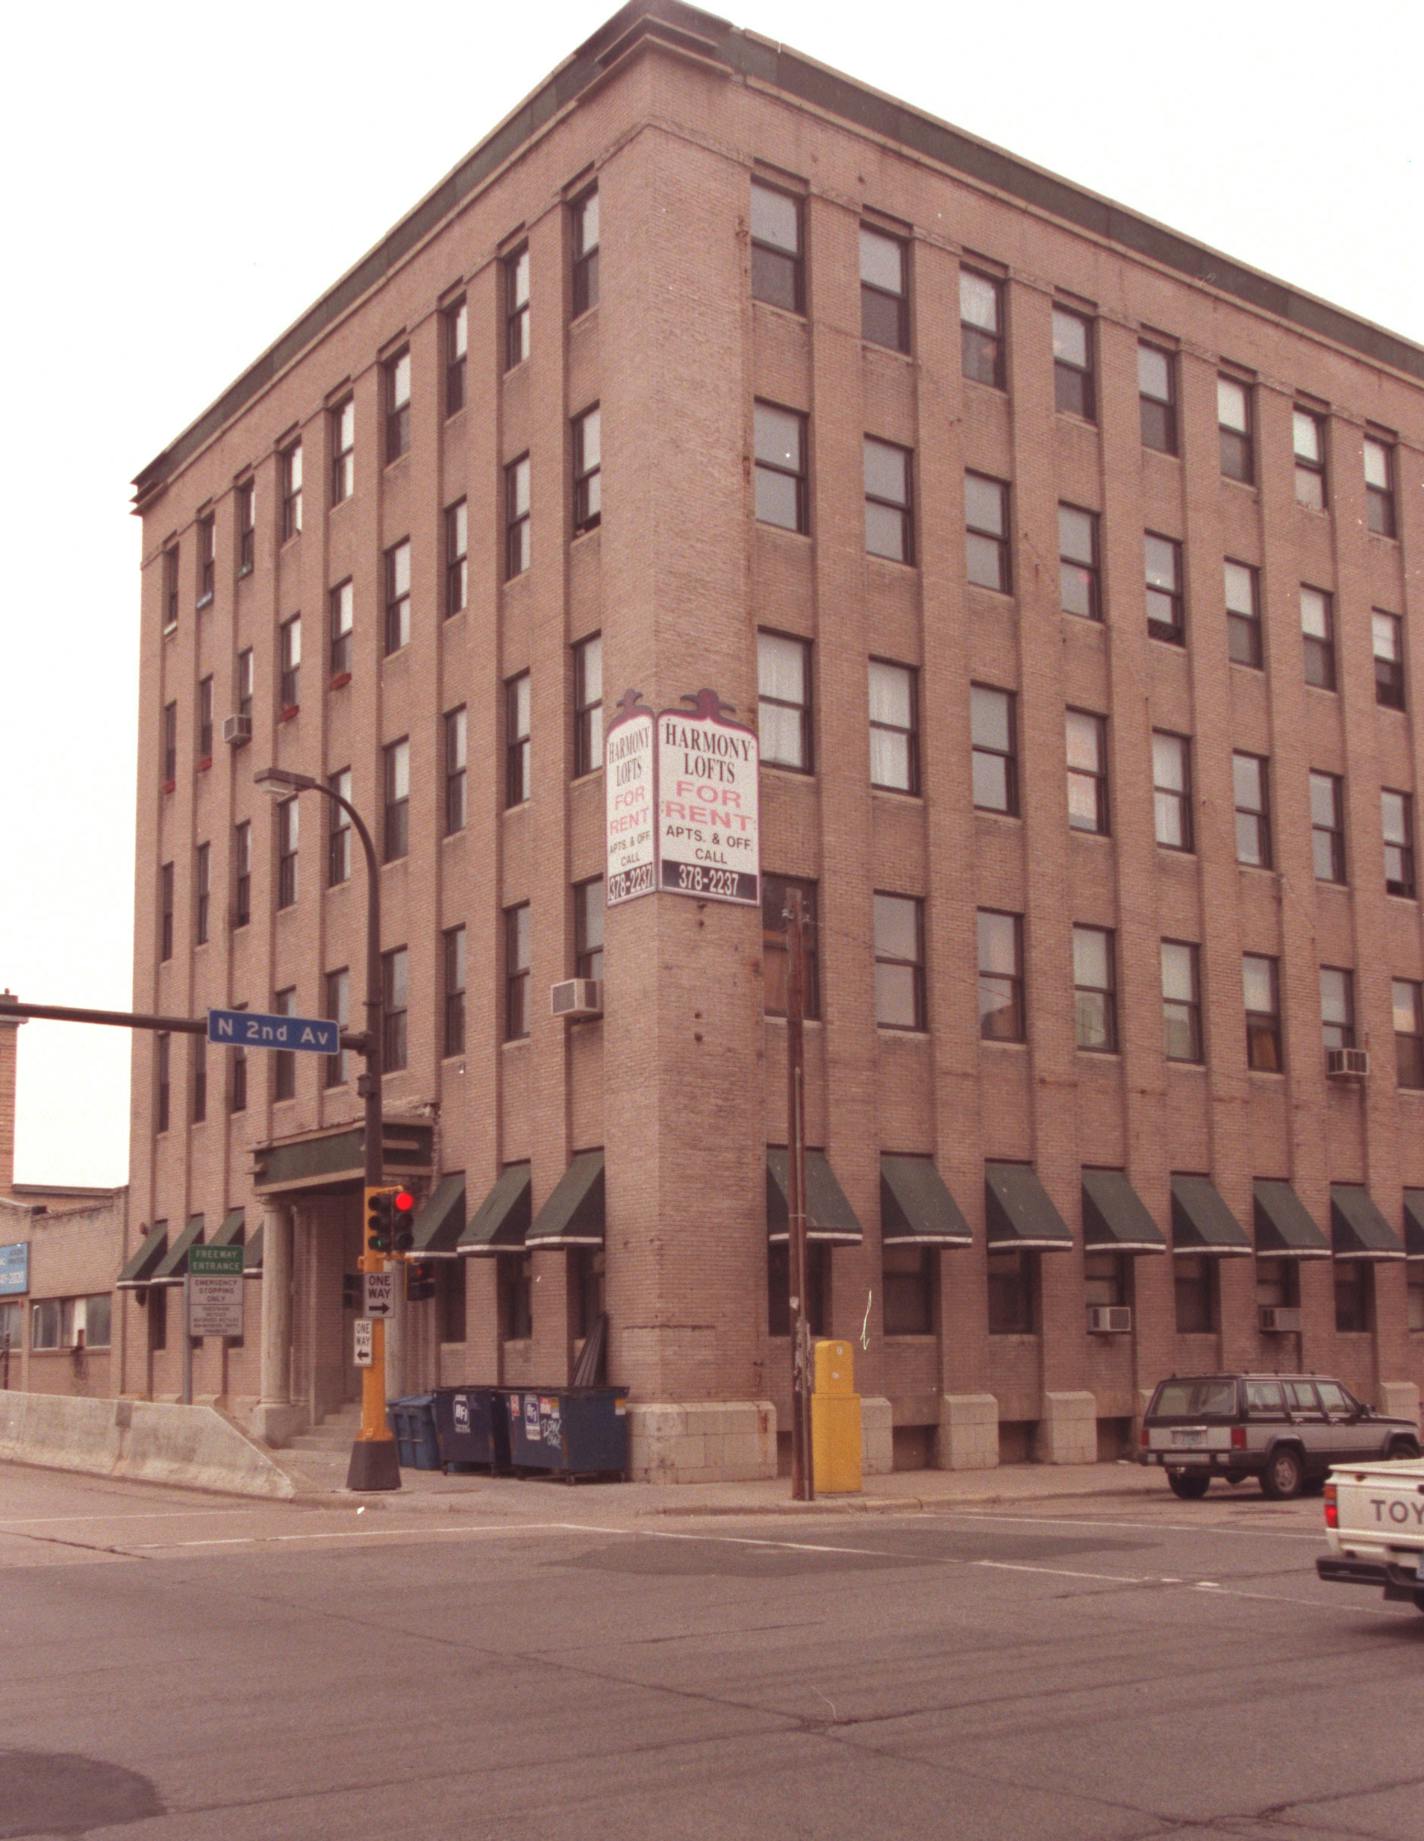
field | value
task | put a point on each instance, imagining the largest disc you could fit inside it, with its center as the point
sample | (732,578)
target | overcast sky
(182,181)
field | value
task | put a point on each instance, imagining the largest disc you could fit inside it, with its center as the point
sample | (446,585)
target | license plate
(1188,1435)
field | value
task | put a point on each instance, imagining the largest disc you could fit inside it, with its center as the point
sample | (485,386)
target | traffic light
(402,1220)
(351,1290)
(380,1219)
(419,1280)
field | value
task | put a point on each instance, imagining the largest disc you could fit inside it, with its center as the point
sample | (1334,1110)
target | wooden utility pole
(803,1485)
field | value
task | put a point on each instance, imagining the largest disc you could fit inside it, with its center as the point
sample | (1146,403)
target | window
(246,526)
(994,760)
(1001,978)
(1094,990)
(1157,398)
(894,743)
(342,603)
(1251,784)
(884,293)
(1013,1293)
(899,962)
(1353,1299)
(1181,1001)
(202,893)
(170,746)
(397,632)
(11,1327)
(288,828)
(162,1045)
(775,891)
(1408,1000)
(981,328)
(457,557)
(986,528)
(242,873)
(588,705)
(395,780)
(1079,580)
(1327,827)
(1387,632)
(516,307)
(342,425)
(784,701)
(516,518)
(1106,1278)
(455,326)
(1261,985)
(338,834)
(908,1290)
(1087,737)
(336,1069)
(516,972)
(289,659)
(1397,827)
(165,913)
(515,1282)
(1172,789)
(1317,628)
(47,1323)
(1337,1007)
(236,1083)
(1243,614)
(518,779)
(289,471)
(1379,487)
(456,765)
(395,997)
(198,1070)
(170,589)
(1166,612)
(1308,440)
(243,684)
(588,470)
(284,1061)
(583,216)
(889,531)
(207,560)
(588,928)
(777,274)
(1074,389)
(452,979)
(1233,420)
(1194,1277)
(205,721)
(780,477)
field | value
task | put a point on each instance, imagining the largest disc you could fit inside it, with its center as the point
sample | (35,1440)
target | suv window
(1265,1398)
(1301,1396)
(1337,1399)
(1195,1400)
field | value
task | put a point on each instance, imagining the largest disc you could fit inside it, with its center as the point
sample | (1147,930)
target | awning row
(157,1263)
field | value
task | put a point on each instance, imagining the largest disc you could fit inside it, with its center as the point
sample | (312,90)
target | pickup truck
(1374,1524)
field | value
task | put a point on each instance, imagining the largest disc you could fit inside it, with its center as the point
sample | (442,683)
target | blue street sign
(14,1268)
(250,1029)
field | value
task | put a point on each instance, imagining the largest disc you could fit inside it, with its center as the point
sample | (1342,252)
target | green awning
(230,1233)
(915,1207)
(173,1268)
(441,1221)
(501,1223)
(138,1270)
(252,1254)
(1284,1229)
(829,1215)
(573,1214)
(1201,1221)
(1021,1216)
(1414,1224)
(1357,1228)
(1115,1219)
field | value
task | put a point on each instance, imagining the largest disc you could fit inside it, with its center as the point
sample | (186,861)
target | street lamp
(374,1463)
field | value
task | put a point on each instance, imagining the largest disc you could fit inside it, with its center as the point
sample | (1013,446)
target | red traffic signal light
(402,1220)
(419,1279)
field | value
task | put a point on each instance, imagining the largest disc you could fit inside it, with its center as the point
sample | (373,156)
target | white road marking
(1136,1527)
(344,1534)
(45,1521)
(731,1540)
(1060,1572)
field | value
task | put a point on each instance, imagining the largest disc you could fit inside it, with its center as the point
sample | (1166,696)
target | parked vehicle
(1286,1430)
(1374,1526)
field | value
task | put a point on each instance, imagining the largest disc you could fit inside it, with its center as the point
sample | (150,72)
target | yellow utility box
(835,1420)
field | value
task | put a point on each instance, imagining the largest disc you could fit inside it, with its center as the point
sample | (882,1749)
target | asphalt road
(178,1668)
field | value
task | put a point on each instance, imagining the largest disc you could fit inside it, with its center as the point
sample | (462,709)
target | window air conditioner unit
(1347,1063)
(576,997)
(1278,1319)
(237,730)
(1109,1319)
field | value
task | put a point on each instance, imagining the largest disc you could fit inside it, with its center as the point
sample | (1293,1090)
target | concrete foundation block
(877,1442)
(968,1436)
(1399,1399)
(1068,1430)
(277,1425)
(722,1442)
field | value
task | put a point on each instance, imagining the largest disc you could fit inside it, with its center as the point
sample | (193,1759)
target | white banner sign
(708,810)
(214,1304)
(628,800)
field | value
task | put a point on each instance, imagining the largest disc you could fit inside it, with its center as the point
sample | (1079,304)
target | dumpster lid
(441,1220)
(916,1209)
(173,1268)
(138,1270)
(502,1219)
(573,1214)
(829,1215)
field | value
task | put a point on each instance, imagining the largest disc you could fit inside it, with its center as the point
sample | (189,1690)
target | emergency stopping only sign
(215,1291)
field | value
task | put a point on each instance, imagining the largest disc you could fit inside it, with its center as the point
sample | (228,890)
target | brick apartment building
(1070,573)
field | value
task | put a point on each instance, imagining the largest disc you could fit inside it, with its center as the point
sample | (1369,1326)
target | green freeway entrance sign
(214,1290)
(226,1261)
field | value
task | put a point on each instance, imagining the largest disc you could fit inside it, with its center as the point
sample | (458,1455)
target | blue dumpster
(568,1431)
(471,1428)
(413,1422)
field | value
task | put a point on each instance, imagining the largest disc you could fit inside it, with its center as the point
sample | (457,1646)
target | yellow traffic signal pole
(373,1455)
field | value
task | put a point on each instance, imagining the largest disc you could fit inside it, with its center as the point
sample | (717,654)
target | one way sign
(251,1029)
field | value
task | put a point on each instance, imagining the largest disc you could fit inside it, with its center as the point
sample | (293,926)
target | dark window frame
(518,970)
(1327,835)
(289,666)
(284,1060)
(341,625)
(1318,649)
(903,509)
(456,530)
(202,893)
(455,339)
(1380,513)
(341,424)
(987,543)
(1388,664)
(288,829)
(910,735)
(339,831)
(518,529)
(1397,835)
(1157,414)
(770,466)
(1075,390)
(993,981)
(885,312)
(583,277)
(1312,485)
(518,724)
(515,270)
(452,986)
(395,800)
(897,963)
(455,739)
(1264,1047)
(982,349)
(1174,798)
(1166,602)
(589,908)
(1408,1043)
(1079,576)
(396,569)
(336,987)
(772,263)
(1184,1012)
(982,750)
(587,469)
(289,470)
(806,758)
(1258,815)
(166,920)
(774,956)
(207,561)
(1236,444)
(1244,637)
(1095,776)
(395,393)
(245,495)
(395,1011)
(1106,993)
(242,873)
(1337,1011)
(588,705)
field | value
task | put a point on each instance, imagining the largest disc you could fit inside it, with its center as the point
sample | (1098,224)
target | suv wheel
(1190,1485)
(1284,1475)
(1402,1447)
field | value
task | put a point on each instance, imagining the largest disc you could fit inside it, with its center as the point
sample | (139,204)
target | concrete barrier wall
(192,1447)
